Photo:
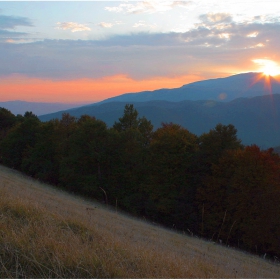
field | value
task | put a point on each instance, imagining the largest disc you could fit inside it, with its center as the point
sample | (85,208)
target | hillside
(256,119)
(46,233)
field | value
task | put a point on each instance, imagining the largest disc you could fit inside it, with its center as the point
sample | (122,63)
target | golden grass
(46,233)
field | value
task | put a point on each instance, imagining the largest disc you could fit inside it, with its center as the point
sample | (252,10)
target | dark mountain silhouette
(256,119)
(38,108)
(222,89)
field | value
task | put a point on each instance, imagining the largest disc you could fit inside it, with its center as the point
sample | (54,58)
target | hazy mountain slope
(256,119)
(38,223)
(38,108)
(222,89)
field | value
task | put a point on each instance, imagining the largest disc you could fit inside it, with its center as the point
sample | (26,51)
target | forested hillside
(257,119)
(209,185)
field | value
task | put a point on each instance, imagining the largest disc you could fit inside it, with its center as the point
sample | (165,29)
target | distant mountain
(38,108)
(256,119)
(222,89)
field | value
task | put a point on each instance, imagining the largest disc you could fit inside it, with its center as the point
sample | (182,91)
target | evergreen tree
(171,175)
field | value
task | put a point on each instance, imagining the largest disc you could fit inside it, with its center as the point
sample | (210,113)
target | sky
(84,52)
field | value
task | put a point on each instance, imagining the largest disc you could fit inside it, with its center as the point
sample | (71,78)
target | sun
(268,67)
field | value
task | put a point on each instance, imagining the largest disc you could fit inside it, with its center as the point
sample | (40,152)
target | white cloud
(139,24)
(109,24)
(224,35)
(181,3)
(73,26)
(253,35)
(105,24)
(148,6)
(259,45)
(142,23)
(215,18)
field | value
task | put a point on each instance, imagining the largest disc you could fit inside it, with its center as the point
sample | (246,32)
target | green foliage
(18,140)
(7,119)
(129,120)
(132,137)
(171,154)
(41,160)
(86,146)
(213,144)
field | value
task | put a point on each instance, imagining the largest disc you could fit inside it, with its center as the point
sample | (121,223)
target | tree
(129,120)
(241,200)
(81,170)
(217,140)
(18,140)
(171,173)
(132,135)
(41,161)
(7,121)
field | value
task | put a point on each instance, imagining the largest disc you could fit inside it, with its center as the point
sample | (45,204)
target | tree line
(210,185)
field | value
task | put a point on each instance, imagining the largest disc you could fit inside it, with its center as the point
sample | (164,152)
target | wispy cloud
(253,34)
(72,26)
(108,24)
(105,24)
(10,22)
(148,6)
(7,33)
(214,18)
(142,23)
(21,40)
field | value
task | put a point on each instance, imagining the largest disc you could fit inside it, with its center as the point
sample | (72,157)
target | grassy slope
(45,233)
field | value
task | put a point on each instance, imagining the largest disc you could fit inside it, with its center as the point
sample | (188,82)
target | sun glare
(268,67)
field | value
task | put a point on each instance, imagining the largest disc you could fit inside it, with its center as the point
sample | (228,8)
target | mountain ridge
(38,108)
(257,119)
(220,89)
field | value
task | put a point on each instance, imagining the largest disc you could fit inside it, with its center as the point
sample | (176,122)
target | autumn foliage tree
(241,200)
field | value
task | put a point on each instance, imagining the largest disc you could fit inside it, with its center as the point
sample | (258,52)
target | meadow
(48,233)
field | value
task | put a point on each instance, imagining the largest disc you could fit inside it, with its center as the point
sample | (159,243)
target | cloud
(105,24)
(148,6)
(142,23)
(141,55)
(9,34)
(181,3)
(73,26)
(214,18)
(108,24)
(10,22)
(20,40)
(253,34)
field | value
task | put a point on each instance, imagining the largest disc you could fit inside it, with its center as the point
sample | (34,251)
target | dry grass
(46,233)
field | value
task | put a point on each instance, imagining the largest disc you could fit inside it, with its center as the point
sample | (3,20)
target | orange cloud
(82,90)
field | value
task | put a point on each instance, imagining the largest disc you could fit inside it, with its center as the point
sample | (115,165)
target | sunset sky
(88,51)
